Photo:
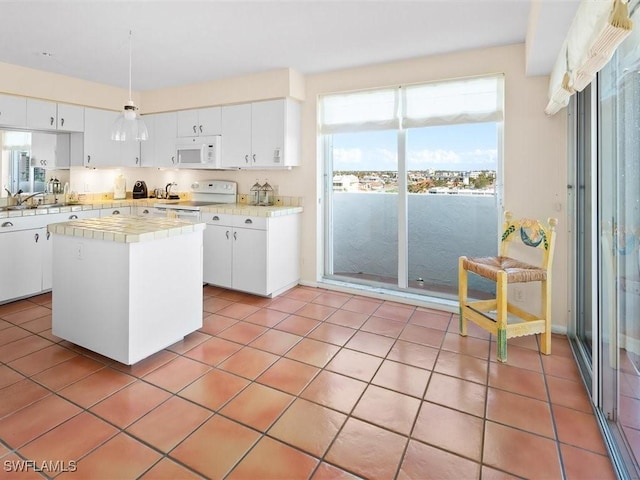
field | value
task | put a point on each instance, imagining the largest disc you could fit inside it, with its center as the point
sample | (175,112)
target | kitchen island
(125,286)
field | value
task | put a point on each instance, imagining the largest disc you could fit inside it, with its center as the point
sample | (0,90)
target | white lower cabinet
(20,260)
(105,212)
(26,253)
(252,254)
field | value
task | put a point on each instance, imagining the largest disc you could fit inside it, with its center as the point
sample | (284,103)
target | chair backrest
(531,233)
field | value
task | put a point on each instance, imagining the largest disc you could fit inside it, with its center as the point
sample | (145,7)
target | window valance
(470,100)
(596,31)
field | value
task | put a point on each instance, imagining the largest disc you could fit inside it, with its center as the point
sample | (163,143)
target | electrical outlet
(519,294)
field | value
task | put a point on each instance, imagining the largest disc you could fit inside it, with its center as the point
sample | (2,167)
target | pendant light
(129,125)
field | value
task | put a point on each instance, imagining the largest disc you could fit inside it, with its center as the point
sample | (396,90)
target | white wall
(535,146)
(535,160)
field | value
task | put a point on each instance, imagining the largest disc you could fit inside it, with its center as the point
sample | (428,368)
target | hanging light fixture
(129,125)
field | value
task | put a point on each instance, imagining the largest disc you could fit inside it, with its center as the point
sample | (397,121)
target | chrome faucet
(21,200)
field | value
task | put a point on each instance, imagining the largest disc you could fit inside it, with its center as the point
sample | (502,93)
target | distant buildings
(477,182)
(345,183)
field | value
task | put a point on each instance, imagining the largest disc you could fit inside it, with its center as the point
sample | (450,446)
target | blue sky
(450,147)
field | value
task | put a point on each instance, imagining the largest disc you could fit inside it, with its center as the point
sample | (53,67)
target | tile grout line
(213,367)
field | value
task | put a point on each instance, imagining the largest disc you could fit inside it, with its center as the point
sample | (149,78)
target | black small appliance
(139,189)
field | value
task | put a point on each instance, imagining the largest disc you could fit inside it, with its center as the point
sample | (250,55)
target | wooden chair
(493,314)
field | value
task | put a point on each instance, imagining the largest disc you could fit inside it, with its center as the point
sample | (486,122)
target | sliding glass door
(607,276)
(412,177)
(619,231)
(364,199)
(452,204)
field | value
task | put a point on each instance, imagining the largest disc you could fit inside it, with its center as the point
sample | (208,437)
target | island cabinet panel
(103,300)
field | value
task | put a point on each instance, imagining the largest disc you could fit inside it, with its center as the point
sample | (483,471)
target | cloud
(481,156)
(433,158)
(386,156)
(347,156)
(386,159)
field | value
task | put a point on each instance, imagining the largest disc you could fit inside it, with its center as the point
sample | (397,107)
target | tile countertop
(252,210)
(125,228)
(78,207)
(231,208)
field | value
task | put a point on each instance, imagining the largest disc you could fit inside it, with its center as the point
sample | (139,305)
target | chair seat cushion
(517,271)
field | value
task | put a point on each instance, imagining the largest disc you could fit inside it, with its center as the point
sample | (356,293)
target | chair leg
(462,295)
(502,314)
(545,339)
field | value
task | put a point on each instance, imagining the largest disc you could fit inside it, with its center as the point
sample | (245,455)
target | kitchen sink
(30,207)
(18,207)
(52,205)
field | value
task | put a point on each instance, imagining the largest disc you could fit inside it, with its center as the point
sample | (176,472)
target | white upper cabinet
(50,150)
(99,149)
(199,122)
(148,147)
(236,136)
(160,150)
(70,118)
(261,134)
(128,154)
(13,111)
(43,115)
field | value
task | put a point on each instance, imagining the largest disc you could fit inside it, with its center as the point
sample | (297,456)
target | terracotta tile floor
(312,384)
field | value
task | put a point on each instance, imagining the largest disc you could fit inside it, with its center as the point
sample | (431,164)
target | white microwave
(199,152)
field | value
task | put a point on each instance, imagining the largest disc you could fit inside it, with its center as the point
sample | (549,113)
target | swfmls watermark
(45,466)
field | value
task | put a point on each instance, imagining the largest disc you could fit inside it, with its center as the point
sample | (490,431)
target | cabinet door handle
(36,236)
(173,160)
(227,234)
(248,220)
(216,217)
(73,217)
(88,158)
(137,160)
(52,120)
(7,224)
(62,122)
(235,237)
(254,158)
(200,128)
(116,212)
(194,129)
(48,235)
(246,159)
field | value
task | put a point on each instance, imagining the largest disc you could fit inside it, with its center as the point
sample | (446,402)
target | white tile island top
(125,228)
(126,287)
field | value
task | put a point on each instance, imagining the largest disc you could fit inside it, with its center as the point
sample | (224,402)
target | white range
(203,193)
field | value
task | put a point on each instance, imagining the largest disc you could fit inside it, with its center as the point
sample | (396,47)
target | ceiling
(184,42)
